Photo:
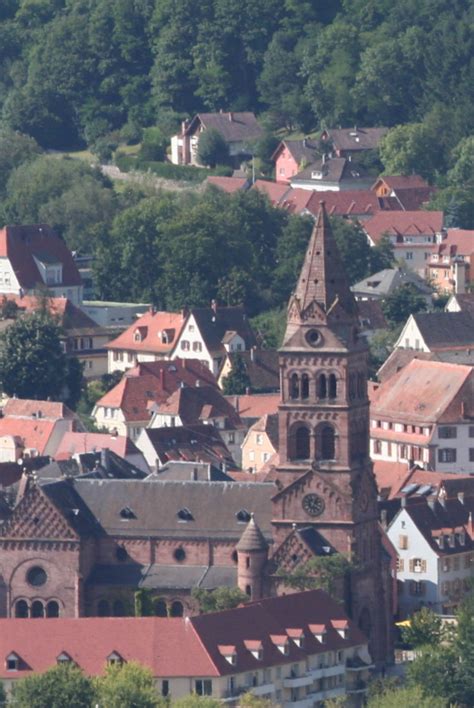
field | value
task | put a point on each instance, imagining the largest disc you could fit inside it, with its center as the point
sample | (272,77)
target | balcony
(335,670)
(358,665)
(358,687)
(310,699)
(263,690)
(298,681)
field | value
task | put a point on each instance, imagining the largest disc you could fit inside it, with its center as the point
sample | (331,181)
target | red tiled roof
(73,443)
(391,477)
(354,202)
(32,432)
(255,405)
(152,328)
(422,392)
(194,404)
(275,191)
(403,222)
(458,242)
(396,182)
(70,316)
(21,243)
(24,407)
(228,184)
(153,382)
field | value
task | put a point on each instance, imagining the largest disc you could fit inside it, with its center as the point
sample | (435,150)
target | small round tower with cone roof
(252,554)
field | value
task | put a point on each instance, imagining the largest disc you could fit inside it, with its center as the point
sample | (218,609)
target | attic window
(319,632)
(229,654)
(63,658)
(114,658)
(185,515)
(243,516)
(341,627)
(281,642)
(179,554)
(315,174)
(254,646)
(126,513)
(12,662)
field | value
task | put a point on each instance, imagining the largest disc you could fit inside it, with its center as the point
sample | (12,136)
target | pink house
(291,156)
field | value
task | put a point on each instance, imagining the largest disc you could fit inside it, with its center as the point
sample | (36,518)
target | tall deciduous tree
(128,684)
(403,302)
(212,148)
(219,599)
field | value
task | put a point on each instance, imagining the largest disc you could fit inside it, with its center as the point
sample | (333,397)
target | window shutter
(423,566)
(411,565)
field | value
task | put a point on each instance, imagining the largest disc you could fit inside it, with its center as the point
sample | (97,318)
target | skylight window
(127,513)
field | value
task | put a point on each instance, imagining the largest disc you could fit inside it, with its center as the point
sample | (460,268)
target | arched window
(52,609)
(302,443)
(103,609)
(247,562)
(177,609)
(332,386)
(160,609)
(37,609)
(21,609)
(325,442)
(119,608)
(294,386)
(305,386)
(322,386)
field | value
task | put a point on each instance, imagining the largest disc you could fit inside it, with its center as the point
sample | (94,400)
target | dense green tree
(354,248)
(60,686)
(15,149)
(32,363)
(154,144)
(270,327)
(458,203)
(219,599)
(408,149)
(248,700)
(424,628)
(237,380)
(128,684)
(462,172)
(212,148)
(324,572)
(405,696)
(195,701)
(403,302)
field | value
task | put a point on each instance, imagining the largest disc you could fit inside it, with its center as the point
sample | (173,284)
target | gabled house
(33,257)
(333,175)
(380,285)
(239,130)
(409,192)
(260,444)
(291,156)
(210,333)
(414,235)
(128,406)
(74,444)
(261,368)
(434,537)
(299,649)
(151,337)
(229,184)
(425,415)
(202,404)
(344,142)
(437,332)
(461,302)
(450,265)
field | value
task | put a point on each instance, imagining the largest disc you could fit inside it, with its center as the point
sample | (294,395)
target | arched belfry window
(294,386)
(305,386)
(332,386)
(301,447)
(325,442)
(322,386)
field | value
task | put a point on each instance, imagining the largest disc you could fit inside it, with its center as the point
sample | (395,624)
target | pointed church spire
(323,279)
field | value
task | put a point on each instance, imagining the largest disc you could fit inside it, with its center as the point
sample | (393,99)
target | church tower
(325,478)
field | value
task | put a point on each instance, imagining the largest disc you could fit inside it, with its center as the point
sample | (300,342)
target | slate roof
(355,138)
(233,126)
(152,327)
(20,244)
(106,464)
(158,576)
(200,443)
(444,518)
(399,223)
(63,494)
(334,170)
(252,538)
(385,282)
(423,392)
(213,323)
(446,330)
(262,368)
(155,506)
(177,470)
(465,302)
(182,647)
(371,316)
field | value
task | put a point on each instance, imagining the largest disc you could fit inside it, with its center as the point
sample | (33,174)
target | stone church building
(83,547)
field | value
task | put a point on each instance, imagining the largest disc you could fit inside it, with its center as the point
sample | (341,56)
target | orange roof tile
(403,222)
(33,433)
(73,443)
(255,405)
(155,332)
(25,407)
(228,184)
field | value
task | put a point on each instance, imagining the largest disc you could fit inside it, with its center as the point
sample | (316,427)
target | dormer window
(462,538)
(316,174)
(12,662)
(126,513)
(63,658)
(297,636)
(255,647)
(185,515)
(229,653)
(281,642)
(452,540)
(341,627)
(319,632)
(114,658)
(243,516)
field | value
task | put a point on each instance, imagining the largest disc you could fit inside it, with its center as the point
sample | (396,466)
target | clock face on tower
(313,504)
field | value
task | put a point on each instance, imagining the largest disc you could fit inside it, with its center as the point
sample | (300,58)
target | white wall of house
(191,345)
(455,453)
(146,448)
(410,337)
(8,281)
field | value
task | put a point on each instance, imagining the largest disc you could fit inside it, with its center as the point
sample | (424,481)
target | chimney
(231,117)
(461,497)
(252,353)
(403,502)
(383,519)
(214,306)
(198,383)
(459,276)
(152,309)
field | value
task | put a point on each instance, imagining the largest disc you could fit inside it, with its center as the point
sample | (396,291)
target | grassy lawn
(128,149)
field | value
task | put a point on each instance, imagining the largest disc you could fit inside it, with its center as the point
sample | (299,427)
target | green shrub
(185,173)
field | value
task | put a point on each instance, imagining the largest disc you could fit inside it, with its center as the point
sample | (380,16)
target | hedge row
(186,173)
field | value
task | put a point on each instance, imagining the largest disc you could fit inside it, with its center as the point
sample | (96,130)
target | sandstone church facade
(74,548)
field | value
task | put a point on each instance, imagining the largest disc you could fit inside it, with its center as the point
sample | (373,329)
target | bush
(153,146)
(180,173)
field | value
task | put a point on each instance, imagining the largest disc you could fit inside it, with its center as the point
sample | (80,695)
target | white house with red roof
(451,263)
(152,337)
(296,650)
(414,235)
(424,414)
(35,256)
